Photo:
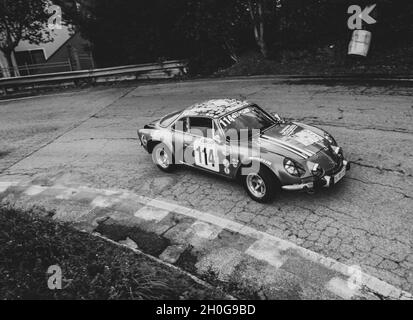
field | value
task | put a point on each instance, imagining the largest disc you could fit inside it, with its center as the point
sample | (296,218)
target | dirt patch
(234,286)
(147,242)
(187,260)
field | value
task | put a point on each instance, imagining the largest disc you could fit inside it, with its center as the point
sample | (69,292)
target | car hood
(296,139)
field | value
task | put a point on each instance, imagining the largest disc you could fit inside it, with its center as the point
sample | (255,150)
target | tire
(266,181)
(162,157)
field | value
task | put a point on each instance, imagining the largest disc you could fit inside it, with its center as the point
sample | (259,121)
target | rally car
(239,140)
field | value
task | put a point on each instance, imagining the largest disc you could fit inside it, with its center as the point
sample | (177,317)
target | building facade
(67,52)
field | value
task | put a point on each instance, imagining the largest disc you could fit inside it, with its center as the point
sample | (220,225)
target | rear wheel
(162,157)
(261,186)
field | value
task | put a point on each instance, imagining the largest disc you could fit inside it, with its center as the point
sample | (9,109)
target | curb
(137,251)
(264,258)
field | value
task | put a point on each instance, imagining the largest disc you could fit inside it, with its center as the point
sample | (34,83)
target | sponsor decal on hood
(288,130)
(295,138)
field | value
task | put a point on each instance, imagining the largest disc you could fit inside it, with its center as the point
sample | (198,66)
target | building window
(30,57)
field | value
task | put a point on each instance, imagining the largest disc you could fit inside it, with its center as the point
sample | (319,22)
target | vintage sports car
(239,140)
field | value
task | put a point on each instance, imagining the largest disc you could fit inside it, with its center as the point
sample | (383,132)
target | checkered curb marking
(266,247)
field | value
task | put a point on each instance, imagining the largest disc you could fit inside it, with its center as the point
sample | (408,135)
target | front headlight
(293,168)
(330,139)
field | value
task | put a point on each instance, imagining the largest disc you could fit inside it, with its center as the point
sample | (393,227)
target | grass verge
(92,268)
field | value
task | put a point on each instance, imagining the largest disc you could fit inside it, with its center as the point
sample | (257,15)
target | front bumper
(325,181)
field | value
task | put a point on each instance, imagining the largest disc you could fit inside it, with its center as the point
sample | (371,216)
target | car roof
(215,108)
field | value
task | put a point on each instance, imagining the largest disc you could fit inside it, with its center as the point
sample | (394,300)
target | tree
(77,12)
(263,14)
(215,22)
(22,20)
(125,31)
(213,33)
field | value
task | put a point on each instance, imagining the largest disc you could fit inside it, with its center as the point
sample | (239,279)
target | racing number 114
(205,156)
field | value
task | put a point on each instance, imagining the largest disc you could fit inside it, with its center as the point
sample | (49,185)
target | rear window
(168,119)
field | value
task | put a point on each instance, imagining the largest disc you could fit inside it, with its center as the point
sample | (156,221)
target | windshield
(168,119)
(249,118)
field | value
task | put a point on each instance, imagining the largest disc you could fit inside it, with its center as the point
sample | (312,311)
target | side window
(201,126)
(181,125)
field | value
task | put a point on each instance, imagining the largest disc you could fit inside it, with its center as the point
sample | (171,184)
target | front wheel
(261,186)
(162,157)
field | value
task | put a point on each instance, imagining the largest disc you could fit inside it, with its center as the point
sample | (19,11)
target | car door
(181,140)
(228,153)
(204,148)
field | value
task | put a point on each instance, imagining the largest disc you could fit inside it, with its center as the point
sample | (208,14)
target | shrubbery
(92,268)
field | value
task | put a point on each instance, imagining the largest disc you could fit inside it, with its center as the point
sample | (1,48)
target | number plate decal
(340,175)
(206,154)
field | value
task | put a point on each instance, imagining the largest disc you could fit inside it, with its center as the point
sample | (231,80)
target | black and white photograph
(208,158)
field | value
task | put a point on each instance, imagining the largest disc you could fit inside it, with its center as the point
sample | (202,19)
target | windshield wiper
(269,127)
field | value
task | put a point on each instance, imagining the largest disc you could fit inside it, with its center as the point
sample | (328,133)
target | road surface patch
(34,190)
(267,250)
(103,202)
(5,185)
(340,287)
(204,230)
(264,263)
(222,262)
(151,213)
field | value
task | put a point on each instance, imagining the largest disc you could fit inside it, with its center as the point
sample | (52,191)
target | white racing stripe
(299,151)
(304,156)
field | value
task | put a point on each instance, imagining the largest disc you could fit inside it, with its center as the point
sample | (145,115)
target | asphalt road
(89,138)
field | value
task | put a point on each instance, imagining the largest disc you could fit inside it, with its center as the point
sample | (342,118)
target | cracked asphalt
(88,137)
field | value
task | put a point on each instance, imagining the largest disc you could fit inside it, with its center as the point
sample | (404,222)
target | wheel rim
(162,157)
(256,185)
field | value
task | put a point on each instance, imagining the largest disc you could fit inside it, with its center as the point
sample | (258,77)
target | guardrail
(161,70)
(39,68)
